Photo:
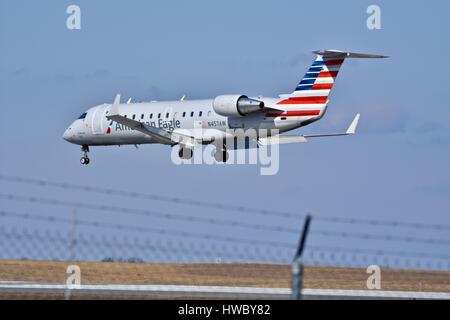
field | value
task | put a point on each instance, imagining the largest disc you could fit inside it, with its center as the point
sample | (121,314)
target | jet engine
(236,105)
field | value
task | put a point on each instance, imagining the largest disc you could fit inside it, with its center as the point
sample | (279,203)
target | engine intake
(236,105)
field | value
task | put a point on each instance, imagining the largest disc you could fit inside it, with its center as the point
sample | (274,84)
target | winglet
(352,128)
(115,106)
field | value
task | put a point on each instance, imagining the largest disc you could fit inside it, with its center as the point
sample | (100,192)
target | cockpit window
(83,116)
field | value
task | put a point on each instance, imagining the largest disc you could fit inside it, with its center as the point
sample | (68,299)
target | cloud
(384,119)
(425,140)
(64,77)
(439,188)
(97,74)
(20,72)
(300,59)
(378,119)
(429,126)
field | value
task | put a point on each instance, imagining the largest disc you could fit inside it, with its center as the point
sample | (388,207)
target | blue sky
(395,168)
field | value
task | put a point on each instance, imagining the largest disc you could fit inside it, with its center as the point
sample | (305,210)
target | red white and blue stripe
(317,83)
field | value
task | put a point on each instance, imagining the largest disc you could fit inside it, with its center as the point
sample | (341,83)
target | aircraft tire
(221,155)
(185,153)
(84,160)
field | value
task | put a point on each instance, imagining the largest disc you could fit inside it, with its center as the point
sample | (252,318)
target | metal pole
(297,263)
(72,244)
(73,236)
(297,279)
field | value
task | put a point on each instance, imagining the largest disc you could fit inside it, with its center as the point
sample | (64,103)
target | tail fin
(318,81)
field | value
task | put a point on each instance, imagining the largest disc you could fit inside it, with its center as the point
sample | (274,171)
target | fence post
(72,244)
(297,263)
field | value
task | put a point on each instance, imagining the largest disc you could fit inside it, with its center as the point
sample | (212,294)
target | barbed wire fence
(203,251)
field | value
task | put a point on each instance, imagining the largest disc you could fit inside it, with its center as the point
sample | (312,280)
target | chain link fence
(61,241)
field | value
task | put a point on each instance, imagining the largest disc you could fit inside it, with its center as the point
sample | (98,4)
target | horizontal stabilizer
(343,54)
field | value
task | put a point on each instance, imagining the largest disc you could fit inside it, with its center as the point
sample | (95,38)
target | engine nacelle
(236,105)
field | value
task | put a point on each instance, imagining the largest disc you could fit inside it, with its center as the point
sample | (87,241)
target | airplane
(187,123)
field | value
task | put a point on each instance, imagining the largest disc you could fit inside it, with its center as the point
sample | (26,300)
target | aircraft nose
(68,134)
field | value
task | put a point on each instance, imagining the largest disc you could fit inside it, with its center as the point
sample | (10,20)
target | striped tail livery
(310,97)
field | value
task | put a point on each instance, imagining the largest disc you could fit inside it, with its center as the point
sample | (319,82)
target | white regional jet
(189,123)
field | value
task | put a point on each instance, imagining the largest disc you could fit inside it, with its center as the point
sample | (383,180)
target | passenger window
(83,116)
(167,115)
(151,115)
(200,113)
(134,116)
(184,114)
(192,113)
(125,116)
(159,115)
(142,116)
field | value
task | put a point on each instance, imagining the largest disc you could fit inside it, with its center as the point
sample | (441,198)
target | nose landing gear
(85,159)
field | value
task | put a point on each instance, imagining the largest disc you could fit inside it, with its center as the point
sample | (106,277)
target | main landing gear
(85,159)
(185,153)
(221,155)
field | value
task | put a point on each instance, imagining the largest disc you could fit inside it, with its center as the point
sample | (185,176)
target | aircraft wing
(158,134)
(281,140)
(351,130)
(303,138)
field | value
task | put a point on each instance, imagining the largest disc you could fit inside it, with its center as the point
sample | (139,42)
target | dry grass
(258,275)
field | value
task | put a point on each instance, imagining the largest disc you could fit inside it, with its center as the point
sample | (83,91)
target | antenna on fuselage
(183,97)
(129,101)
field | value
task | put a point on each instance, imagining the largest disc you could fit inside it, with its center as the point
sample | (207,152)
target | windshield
(83,116)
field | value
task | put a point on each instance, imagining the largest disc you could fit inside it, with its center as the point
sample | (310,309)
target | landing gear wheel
(185,153)
(221,155)
(84,160)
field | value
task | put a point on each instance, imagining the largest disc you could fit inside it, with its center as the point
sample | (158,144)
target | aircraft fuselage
(94,129)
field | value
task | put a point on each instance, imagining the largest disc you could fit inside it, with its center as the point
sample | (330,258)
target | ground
(254,275)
